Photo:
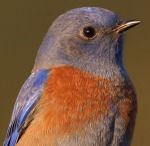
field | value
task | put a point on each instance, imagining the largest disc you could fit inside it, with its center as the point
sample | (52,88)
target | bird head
(87,38)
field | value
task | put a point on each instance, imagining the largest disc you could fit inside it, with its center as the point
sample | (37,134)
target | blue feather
(26,100)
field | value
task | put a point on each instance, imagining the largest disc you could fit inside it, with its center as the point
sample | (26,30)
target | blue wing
(26,100)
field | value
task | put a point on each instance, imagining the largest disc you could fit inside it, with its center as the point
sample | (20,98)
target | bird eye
(89,32)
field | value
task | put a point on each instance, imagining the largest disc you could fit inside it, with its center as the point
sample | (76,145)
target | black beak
(126,25)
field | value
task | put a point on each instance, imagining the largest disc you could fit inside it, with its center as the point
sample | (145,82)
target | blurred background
(23,24)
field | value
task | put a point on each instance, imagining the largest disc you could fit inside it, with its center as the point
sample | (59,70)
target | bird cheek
(73,48)
(73,51)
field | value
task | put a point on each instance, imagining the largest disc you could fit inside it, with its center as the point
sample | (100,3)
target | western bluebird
(79,92)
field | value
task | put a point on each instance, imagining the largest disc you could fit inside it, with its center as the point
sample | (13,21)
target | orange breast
(70,99)
(74,97)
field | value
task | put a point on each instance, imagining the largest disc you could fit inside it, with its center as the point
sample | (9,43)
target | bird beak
(126,25)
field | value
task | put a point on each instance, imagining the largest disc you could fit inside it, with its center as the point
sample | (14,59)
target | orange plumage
(70,100)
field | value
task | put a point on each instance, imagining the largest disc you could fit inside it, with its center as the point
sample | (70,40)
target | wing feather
(26,100)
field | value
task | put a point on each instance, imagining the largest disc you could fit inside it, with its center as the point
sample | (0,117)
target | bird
(79,92)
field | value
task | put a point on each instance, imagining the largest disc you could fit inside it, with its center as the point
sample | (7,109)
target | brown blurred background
(23,24)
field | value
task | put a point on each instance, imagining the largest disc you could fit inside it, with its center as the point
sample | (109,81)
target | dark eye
(89,32)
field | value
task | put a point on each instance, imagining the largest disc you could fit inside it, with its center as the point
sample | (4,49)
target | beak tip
(127,25)
(132,22)
(138,21)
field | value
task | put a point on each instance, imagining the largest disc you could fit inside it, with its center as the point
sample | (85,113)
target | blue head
(87,38)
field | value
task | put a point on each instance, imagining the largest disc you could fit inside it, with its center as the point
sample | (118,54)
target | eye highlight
(89,32)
